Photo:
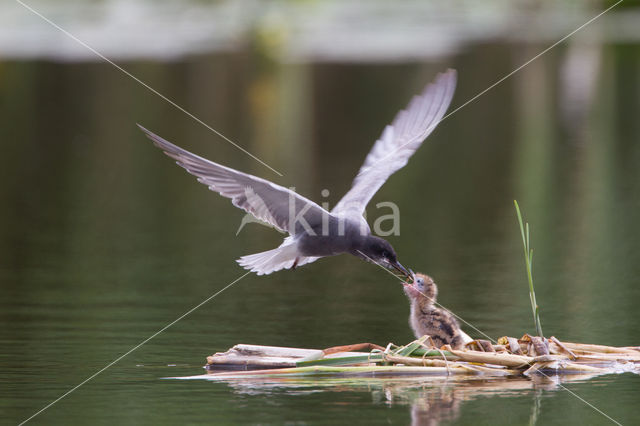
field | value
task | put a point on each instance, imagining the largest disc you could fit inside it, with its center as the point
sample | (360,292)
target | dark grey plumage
(314,231)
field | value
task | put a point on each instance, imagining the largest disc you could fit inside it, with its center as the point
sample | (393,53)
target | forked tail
(266,262)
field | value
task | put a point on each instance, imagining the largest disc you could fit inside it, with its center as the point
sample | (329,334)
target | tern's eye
(420,282)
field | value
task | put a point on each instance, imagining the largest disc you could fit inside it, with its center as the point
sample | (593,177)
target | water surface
(103,241)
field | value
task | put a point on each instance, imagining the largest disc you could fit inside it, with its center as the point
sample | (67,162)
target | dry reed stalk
(564,367)
(586,347)
(346,370)
(609,357)
(424,362)
(481,369)
(550,358)
(273,351)
(508,360)
(562,347)
(351,348)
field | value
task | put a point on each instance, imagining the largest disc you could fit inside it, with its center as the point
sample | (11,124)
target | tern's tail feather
(270,261)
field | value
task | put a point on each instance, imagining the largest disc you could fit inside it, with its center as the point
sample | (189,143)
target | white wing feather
(398,143)
(265,200)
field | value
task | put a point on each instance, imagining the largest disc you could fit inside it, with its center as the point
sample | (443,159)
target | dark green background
(103,241)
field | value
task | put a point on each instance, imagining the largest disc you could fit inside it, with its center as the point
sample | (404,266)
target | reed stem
(528,260)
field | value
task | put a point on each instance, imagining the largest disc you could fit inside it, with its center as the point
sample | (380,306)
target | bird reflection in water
(432,401)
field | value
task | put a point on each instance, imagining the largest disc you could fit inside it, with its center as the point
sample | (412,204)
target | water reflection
(431,401)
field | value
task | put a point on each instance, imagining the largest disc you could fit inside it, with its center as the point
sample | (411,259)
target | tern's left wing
(265,200)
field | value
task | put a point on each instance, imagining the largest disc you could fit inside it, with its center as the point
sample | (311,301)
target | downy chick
(428,319)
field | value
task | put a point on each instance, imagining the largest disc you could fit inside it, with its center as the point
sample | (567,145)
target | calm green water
(103,241)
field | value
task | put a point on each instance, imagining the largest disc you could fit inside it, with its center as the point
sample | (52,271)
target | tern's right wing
(398,143)
(265,200)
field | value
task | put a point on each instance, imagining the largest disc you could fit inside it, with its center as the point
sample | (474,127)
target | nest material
(509,357)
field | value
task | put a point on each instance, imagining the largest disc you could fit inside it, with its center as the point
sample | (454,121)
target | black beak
(398,267)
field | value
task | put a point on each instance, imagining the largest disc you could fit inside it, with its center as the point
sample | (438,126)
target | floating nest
(510,356)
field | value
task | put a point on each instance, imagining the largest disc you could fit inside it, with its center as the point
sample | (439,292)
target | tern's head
(422,287)
(377,250)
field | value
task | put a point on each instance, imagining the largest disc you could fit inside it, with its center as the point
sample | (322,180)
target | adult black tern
(314,231)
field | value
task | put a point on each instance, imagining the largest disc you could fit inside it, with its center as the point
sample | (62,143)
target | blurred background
(103,241)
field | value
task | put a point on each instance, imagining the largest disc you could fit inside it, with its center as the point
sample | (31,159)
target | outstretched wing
(265,200)
(398,142)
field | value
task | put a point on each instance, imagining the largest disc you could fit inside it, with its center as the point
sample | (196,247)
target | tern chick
(426,319)
(313,231)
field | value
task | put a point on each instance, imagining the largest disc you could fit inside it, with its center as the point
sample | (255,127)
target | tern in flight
(313,231)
